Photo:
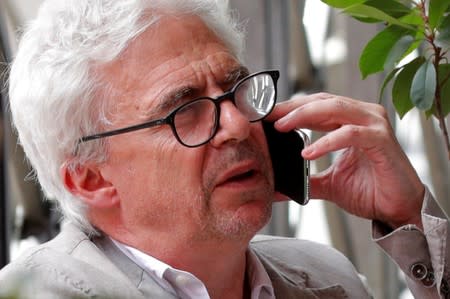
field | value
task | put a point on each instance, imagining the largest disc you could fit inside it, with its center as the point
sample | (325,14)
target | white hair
(55,95)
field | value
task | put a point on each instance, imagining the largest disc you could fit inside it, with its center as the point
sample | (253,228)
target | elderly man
(141,121)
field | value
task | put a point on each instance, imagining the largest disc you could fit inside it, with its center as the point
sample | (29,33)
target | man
(142,122)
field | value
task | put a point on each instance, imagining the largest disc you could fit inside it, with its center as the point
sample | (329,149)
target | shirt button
(419,271)
(429,280)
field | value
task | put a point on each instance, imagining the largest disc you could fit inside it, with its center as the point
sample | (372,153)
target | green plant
(409,25)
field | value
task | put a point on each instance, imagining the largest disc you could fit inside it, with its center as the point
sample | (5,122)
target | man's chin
(239,216)
(247,220)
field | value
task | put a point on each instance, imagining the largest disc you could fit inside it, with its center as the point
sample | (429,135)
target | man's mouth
(242,176)
(238,175)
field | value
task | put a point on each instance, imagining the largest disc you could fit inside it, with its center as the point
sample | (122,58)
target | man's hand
(372,178)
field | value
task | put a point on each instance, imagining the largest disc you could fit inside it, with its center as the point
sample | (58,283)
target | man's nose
(233,125)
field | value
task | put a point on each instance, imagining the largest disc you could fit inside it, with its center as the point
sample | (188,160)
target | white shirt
(186,286)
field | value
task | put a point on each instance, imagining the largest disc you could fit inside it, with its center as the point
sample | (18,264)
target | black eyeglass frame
(169,119)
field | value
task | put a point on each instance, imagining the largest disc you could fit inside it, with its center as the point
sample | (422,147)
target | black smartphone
(291,171)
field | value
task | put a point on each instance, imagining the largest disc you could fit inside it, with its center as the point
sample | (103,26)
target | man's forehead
(168,47)
(167,59)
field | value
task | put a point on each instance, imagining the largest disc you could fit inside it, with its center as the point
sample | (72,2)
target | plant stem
(440,114)
(438,56)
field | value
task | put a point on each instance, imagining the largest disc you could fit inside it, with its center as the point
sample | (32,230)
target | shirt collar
(186,285)
(260,282)
(152,266)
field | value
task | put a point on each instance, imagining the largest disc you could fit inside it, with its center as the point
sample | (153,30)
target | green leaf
(423,86)
(444,73)
(402,86)
(436,11)
(342,3)
(398,51)
(392,8)
(386,81)
(365,11)
(367,20)
(443,38)
(375,53)
(413,18)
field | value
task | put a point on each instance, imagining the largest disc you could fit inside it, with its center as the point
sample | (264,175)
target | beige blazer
(74,266)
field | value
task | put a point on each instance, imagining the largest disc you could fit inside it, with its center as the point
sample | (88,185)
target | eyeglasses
(196,122)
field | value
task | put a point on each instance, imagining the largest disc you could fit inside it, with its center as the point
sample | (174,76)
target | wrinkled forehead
(178,50)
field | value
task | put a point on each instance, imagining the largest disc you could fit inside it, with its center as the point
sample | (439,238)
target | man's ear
(87,183)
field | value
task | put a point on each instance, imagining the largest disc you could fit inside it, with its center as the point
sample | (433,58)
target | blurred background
(316,49)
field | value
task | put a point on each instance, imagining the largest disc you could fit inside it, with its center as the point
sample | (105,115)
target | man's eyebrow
(236,74)
(175,98)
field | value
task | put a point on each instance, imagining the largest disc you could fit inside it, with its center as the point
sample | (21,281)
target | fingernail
(280,122)
(283,121)
(308,150)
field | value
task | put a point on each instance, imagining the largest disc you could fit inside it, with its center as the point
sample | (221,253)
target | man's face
(223,189)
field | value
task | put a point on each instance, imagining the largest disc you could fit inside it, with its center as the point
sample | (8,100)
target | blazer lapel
(287,284)
(290,282)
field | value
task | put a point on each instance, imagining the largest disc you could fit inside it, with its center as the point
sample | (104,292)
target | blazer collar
(138,277)
(289,281)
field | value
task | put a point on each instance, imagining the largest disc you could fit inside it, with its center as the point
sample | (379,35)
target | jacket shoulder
(69,266)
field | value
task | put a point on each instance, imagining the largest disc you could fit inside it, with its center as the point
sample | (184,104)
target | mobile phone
(291,171)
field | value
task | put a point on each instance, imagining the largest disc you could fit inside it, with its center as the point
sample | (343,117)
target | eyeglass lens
(255,97)
(196,122)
